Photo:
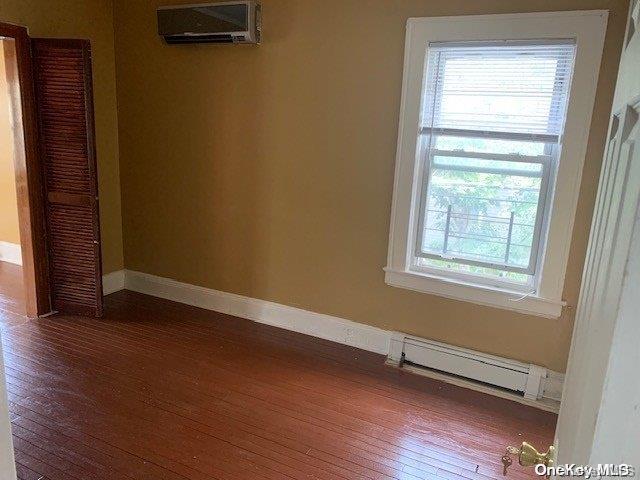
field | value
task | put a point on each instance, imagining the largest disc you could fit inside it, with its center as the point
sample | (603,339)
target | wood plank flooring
(11,289)
(161,391)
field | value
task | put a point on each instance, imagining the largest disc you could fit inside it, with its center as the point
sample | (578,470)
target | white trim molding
(479,294)
(544,298)
(113,282)
(10,253)
(543,386)
(315,324)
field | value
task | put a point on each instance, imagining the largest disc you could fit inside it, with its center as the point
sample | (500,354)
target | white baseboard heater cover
(524,378)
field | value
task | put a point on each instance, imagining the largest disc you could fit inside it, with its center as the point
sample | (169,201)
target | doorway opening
(51,98)
(24,282)
(12,288)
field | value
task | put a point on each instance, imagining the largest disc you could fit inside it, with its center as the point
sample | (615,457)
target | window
(492,116)
(490,152)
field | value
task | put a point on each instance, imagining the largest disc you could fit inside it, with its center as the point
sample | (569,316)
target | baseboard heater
(521,378)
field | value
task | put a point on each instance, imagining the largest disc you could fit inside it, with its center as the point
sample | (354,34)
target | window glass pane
(488,145)
(455,267)
(491,115)
(484,164)
(487,217)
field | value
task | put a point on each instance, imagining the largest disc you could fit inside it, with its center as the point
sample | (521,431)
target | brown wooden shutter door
(63,85)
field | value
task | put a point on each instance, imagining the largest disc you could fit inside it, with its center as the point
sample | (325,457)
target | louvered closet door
(62,72)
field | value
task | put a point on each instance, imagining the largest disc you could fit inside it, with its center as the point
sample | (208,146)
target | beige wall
(267,171)
(9,228)
(93,20)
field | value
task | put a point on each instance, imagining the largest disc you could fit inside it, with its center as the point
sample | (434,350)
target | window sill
(474,293)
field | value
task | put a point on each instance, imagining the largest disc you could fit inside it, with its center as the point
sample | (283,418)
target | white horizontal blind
(515,87)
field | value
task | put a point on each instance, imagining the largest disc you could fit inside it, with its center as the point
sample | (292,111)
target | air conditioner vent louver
(177,39)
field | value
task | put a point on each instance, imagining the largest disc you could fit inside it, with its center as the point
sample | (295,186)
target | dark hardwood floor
(158,390)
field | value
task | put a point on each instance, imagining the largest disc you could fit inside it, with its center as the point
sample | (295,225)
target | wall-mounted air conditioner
(222,22)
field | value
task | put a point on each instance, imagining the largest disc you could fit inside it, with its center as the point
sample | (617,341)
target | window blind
(508,87)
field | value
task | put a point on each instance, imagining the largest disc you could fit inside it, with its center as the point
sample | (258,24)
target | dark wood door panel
(65,114)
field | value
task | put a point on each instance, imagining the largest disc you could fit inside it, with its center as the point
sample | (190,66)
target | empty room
(305,239)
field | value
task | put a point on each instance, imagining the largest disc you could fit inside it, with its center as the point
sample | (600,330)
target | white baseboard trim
(290,318)
(319,325)
(10,253)
(113,282)
(553,386)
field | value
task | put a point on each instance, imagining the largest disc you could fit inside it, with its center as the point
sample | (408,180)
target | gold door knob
(529,456)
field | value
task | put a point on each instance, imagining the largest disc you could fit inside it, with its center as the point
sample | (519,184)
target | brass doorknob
(529,456)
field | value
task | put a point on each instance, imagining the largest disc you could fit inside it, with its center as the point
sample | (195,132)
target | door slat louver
(62,74)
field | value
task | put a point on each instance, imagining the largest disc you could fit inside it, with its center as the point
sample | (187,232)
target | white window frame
(547,163)
(588,29)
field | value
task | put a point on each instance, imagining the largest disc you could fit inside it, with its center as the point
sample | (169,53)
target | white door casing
(599,419)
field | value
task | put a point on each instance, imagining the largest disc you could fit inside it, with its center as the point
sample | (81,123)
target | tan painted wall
(88,19)
(9,227)
(268,171)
